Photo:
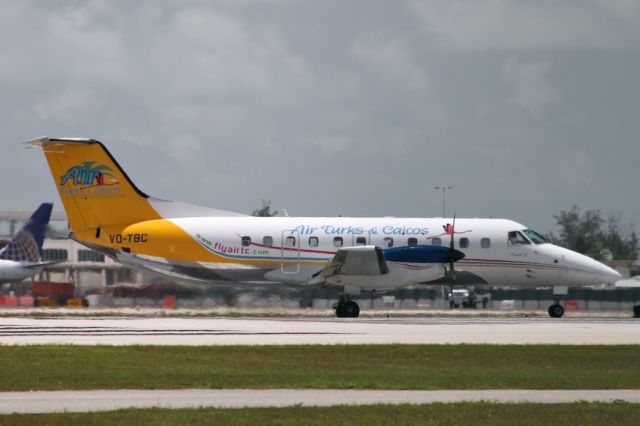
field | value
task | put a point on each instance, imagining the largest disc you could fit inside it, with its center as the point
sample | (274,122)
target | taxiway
(107,400)
(283,331)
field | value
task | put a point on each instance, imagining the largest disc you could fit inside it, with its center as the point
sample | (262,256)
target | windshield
(535,237)
(516,238)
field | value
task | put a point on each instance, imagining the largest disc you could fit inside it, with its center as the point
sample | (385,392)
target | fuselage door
(290,251)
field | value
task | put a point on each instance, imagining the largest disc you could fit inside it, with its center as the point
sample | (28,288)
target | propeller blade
(452,250)
(453,231)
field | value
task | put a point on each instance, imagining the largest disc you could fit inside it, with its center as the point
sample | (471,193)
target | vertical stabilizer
(26,246)
(94,189)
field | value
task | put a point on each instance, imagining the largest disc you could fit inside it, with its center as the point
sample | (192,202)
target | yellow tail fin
(94,189)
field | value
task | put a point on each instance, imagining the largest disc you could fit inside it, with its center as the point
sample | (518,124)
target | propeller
(452,271)
(454,255)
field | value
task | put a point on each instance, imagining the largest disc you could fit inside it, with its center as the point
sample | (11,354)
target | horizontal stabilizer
(176,209)
(38,265)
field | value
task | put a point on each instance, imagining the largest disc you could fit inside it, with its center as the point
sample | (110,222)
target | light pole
(444,189)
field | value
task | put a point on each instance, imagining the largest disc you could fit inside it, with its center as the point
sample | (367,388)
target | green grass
(51,367)
(433,414)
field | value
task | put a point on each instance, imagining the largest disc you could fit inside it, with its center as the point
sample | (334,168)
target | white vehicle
(108,213)
(467,298)
(460,298)
(20,258)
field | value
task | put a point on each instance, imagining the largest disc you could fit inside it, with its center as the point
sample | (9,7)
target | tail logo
(89,179)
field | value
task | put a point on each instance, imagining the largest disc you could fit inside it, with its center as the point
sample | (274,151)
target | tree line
(592,233)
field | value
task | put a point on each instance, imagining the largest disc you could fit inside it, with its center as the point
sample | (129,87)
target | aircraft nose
(608,275)
(602,274)
(589,270)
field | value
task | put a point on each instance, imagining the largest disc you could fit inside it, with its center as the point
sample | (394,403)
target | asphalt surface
(107,400)
(257,331)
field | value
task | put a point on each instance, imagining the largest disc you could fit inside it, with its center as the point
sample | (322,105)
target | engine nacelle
(400,275)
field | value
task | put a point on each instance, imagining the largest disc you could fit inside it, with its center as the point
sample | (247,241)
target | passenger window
(516,238)
(361,241)
(388,242)
(337,241)
(464,243)
(313,241)
(412,241)
(290,241)
(485,243)
(246,241)
(267,241)
(436,242)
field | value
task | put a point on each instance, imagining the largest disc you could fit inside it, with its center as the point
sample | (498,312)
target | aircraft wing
(360,260)
(36,265)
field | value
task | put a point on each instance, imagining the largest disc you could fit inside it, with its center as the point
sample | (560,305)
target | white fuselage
(292,250)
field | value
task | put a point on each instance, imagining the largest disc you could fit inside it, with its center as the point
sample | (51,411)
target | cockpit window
(535,237)
(516,238)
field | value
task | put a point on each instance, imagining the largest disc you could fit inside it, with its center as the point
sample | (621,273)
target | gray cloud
(519,25)
(354,108)
(529,83)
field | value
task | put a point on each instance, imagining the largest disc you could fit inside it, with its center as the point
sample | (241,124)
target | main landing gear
(556,310)
(346,308)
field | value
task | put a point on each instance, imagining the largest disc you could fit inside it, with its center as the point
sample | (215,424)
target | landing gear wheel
(556,311)
(351,309)
(348,309)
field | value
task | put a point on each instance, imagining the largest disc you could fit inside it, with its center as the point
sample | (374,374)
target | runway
(287,331)
(106,400)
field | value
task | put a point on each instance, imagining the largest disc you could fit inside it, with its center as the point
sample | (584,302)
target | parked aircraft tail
(26,246)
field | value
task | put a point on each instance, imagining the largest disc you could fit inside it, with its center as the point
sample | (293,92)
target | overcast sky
(334,107)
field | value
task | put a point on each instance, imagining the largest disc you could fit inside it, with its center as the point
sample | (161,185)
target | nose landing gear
(556,310)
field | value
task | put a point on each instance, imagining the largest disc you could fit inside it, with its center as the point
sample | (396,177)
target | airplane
(108,213)
(631,282)
(21,258)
